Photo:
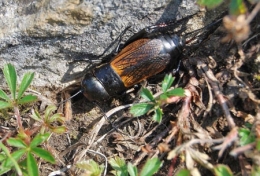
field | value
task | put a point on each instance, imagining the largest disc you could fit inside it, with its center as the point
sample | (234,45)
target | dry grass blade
(97,128)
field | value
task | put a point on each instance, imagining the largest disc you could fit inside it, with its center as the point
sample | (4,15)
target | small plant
(210,3)
(154,104)
(120,168)
(90,168)
(193,156)
(218,170)
(246,136)
(236,7)
(249,144)
(48,120)
(17,98)
(20,152)
(28,165)
(237,23)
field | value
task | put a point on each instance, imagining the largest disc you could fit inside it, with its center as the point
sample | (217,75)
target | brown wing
(140,60)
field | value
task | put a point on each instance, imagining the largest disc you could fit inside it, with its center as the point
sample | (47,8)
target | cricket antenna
(202,32)
(80,91)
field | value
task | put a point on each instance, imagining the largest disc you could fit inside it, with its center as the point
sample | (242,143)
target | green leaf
(237,7)
(91,167)
(167,82)
(2,157)
(18,154)
(151,167)
(15,156)
(222,170)
(4,170)
(210,3)
(163,96)
(119,166)
(146,94)
(57,117)
(140,109)
(32,165)
(49,110)
(26,81)
(117,162)
(27,99)
(59,129)
(132,170)
(38,139)
(11,159)
(44,154)
(255,170)
(10,77)
(23,166)
(176,92)
(245,136)
(15,142)
(158,115)
(248,125)
(4,96)
(183,172)
(258,144)
(36,116)
(4,105)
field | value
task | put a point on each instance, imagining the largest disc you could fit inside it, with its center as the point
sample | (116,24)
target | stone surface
(45,36)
